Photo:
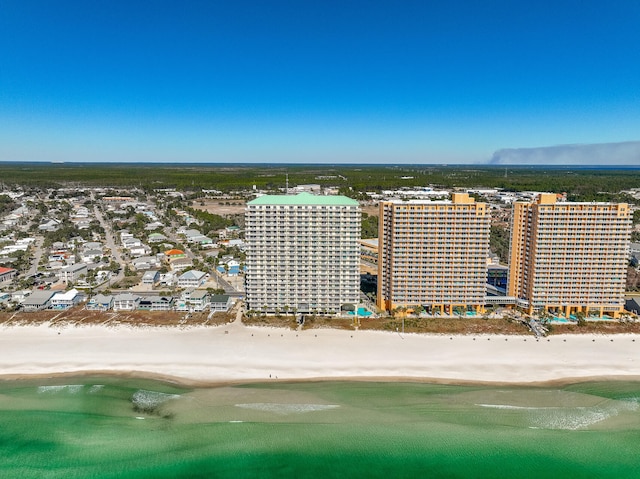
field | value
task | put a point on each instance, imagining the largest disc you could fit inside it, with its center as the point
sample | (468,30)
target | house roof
(304,199)
(102,299)
(219,298)
(126,297)
(38,297)
(5,270)
(193,274)
(74,267)
(174,252)
(633,305)
(66,295)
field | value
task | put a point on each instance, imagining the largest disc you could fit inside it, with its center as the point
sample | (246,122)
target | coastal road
(36,256)
(110,242)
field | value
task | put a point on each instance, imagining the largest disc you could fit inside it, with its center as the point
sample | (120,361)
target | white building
(192,279)
(302,253)
(73,273)
(125,302)
(65,300)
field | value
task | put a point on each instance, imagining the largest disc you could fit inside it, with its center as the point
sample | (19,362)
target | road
(110,243)
(36,256)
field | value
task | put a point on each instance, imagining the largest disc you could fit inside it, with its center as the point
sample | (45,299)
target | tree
(369,226)
(499,242)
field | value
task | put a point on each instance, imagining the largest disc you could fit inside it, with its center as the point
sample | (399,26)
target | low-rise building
(192,279)
(91,256)
(156,303)
(125,302)
(157,238)
(66,299)
(180,264)
(37,301)
(220,302)
(199,300)
(73,272)
(150,277)
(7,274)
(137,251)
(100,302)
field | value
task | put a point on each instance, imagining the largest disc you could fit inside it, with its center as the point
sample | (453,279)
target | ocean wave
(69,388)
(509,406)
(283,408)
(150,401)
(568,418)
(96,388)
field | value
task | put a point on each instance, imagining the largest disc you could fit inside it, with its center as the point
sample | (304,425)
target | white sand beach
(236,353)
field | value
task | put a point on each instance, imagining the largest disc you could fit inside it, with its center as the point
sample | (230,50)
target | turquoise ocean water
(126,428)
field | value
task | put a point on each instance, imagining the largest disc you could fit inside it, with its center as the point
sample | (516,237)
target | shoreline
(197,384)
(236,354)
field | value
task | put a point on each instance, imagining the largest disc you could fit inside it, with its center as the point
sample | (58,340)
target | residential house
(125,302)
(144,263)
(83,224)
(92,245)
(220,302)
(154,225)
(191,234)
(229,232)
(157,238)
(102,276)
(20,296)
(199,300)
(192,279)
(59,255)
(37,301)
(150,277)
(180,264)
(65,299)
(156,303)
(73,272)
(7,274)
(175,254)
(141,250)
(100,302)
(193,300)
(167,279)
(632,305)
(49,225)
(131,242)
(89,256)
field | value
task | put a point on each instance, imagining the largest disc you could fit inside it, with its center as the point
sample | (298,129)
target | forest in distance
(580,184)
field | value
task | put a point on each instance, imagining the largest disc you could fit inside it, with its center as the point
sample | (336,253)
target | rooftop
(67,295)
(304,199)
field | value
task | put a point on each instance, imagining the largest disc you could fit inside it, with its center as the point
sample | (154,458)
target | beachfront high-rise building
(302,253)
(433,254)
(569,257)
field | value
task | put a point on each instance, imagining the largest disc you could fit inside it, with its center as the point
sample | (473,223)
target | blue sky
(314,81)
